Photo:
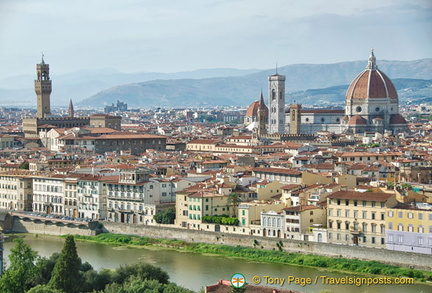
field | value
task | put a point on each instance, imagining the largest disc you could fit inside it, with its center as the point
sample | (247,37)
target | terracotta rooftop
(278,170)
(368,196)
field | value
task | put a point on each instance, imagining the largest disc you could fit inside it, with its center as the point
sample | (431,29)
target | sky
(172,35)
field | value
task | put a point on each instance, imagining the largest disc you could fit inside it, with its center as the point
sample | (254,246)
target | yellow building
(192,206)
(409,228)
(249,213)
(358,218)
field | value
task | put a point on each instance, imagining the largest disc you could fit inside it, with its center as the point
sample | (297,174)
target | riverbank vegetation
(65,273)
(258,254)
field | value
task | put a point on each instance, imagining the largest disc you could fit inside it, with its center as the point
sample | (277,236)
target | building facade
(358,218)
(16,192)
(409,228)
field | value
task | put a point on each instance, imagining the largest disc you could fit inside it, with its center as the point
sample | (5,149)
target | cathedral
(371,105)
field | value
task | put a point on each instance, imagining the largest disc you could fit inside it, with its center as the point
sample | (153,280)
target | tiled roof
(277,171)
(368,196)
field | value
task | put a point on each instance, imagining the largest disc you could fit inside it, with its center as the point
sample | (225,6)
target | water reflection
(194,271)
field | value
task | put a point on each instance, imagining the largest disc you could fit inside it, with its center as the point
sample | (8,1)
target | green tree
(165,217)
(25,165)
(66,275)
(141,270)
(22,269)
(234,200)
(137,284)
(43,289)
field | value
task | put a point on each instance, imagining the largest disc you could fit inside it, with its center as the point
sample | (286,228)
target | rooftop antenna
(276,68)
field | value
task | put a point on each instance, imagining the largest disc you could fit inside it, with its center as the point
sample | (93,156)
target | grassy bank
(257,254)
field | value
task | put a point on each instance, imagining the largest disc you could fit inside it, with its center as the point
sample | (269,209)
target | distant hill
(242,90)
(418,90)
(85,83)
(196,88)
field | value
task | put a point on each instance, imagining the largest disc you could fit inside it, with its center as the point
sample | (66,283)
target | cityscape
(337,177)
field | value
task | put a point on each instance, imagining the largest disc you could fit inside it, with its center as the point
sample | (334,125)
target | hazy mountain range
(305,83)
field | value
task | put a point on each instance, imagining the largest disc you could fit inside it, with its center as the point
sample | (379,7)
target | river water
(194,271)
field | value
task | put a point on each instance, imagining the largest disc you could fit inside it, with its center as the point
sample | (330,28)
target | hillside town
(359,176)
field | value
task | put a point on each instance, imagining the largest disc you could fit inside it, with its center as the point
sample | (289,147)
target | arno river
(194,271)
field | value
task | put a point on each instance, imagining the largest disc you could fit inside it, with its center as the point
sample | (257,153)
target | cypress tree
(66,275)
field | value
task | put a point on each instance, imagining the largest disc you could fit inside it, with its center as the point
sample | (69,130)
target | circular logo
(238,280)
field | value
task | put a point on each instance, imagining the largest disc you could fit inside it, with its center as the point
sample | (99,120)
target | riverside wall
(398,258)
(21,226)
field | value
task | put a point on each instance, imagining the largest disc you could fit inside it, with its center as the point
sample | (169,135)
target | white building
(48,194)
(92,197)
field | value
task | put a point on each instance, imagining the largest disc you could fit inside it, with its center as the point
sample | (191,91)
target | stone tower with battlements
(295,119)
(43,90)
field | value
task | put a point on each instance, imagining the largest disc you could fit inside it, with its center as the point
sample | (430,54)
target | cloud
(172,35)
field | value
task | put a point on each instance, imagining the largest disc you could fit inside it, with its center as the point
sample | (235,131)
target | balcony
(354,231)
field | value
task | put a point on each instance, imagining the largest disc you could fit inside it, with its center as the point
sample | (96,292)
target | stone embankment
(398,258)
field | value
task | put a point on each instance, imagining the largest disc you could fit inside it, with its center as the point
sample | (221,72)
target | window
(355,203)
(364,214)
(373,239)
(390,238)
(420,229)
(382,205)
(373,216)
(390,226)
(364,203)
(338,213)
(347,214)
(330,212)
(420,216)
(346,202)
(420,240)
(400,227)
(390,214)
(338,202)
(410,228)
(400,215)
(400,238)
(373,204)
(382,216)
(410,215)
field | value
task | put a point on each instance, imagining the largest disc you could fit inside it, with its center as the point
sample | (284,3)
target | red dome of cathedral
(371,83)
(357,120)
(252,111)
(397,119)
